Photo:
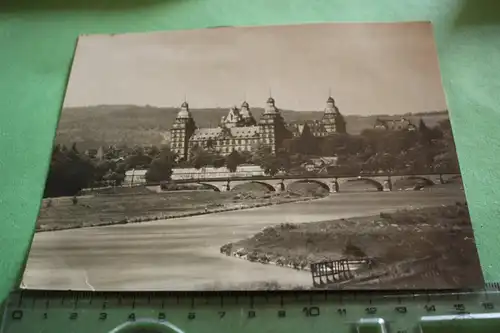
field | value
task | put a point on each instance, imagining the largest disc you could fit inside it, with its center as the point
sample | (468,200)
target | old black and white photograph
(296,157)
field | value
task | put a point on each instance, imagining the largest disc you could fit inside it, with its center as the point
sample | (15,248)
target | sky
(377,68)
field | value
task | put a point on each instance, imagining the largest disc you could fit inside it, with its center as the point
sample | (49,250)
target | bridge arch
(370,181)
(267,185)
(427,181)
(320,183)
(411,182)
(212,186)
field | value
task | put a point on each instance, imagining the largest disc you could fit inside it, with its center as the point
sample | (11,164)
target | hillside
(91,127)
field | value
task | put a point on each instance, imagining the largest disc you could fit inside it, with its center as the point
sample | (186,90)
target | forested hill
(91,127)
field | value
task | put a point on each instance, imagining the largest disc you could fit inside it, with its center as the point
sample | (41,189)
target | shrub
(353,250)
(226,249)
(288,226)
(386,216)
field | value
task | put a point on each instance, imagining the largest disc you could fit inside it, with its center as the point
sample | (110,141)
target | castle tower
(333,121)
(270,107)
(181,131)
(248,119)
(233,118)
(272,126)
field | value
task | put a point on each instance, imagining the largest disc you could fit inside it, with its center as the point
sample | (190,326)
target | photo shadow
(475,13)
(81,5)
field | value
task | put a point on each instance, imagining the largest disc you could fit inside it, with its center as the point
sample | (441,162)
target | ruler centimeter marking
(106,310)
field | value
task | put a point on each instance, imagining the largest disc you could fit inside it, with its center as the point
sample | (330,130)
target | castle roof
(330,107)
(245,111)
(233,115)
(202,134)
(184,112)
(206,133)
(270,107)
(245,132)
(315,126)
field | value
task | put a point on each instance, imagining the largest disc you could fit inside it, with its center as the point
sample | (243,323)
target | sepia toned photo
(316,156)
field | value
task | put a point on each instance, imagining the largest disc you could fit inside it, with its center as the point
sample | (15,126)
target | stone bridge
(332,184)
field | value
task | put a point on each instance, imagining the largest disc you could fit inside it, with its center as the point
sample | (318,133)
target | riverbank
(145,205)
(419,248)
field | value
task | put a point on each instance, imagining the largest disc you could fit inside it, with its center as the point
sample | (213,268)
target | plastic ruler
(30,311)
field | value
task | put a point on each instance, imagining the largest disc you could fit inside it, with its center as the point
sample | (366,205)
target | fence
(331,272)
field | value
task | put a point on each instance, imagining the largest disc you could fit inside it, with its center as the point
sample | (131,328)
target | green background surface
(38,38)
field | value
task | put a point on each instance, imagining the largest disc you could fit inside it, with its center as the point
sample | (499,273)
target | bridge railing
(309,176)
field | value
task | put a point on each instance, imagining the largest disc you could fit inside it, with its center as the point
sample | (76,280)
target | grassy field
(138,204)
(421,248)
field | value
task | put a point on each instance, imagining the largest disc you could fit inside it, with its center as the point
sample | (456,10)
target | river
(183,253)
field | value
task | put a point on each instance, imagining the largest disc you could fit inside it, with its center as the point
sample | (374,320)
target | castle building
(240,131)
(332,122)
(182,130)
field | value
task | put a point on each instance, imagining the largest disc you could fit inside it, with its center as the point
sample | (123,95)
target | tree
(284,160)
(111,152)
(73,148)
(339,144)
(161,167)
(116,177)
(307,143)
(69,172)
(167,153)
(199,157)
(269,162)
(445,125)
(246,156)
(422,127)
(153,152)
(292,145)
(218,161)
(138,159)
(296,160)
(102,168)
(446,163)
(233,160)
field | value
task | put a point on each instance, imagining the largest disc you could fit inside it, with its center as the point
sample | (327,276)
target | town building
(401,124)
(240,131)
(135,177)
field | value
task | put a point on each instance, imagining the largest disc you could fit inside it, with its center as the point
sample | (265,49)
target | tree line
(424,150)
